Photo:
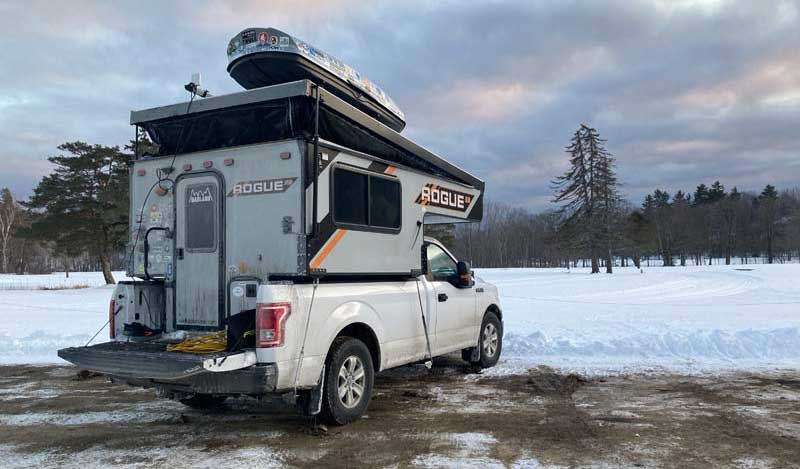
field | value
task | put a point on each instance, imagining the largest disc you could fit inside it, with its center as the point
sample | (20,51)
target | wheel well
(496,310)
(365,334)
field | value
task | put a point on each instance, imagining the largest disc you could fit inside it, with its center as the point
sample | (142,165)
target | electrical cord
(149,312)
(160,179)
(210,343)
(104,326)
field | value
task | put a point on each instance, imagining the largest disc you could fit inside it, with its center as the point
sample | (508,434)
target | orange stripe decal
(390,170)
(327,249)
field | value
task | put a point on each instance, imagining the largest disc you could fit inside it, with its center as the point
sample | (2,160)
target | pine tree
(588,190)
(608,198)
(84,202)
(575,188)
(658,209)
(681,206)
(768,214)
(716,193)
(701,195)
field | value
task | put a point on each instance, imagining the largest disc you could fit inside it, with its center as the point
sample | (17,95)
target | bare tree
(9,211)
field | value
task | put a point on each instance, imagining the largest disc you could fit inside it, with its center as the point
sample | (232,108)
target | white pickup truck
(291,224)
(323,342)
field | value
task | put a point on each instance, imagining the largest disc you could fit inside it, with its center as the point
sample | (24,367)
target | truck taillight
(271,323)
(111,326)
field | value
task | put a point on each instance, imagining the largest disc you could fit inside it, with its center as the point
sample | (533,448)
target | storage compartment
(140,305)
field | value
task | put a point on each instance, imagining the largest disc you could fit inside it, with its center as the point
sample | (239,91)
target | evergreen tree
(681,220)
(588,190)
(768,215)
(658,209)
(84,202)
(608,198)
(701,195)
(716,193)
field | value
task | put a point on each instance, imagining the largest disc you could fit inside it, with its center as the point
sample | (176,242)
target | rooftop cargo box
(262,57)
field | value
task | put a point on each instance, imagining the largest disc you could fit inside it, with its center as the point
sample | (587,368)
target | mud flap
(311,402)
(475,354)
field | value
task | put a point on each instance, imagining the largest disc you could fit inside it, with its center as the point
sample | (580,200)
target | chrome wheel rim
(490,340)
(350,381)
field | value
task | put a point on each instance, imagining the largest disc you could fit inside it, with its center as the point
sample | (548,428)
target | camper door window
(364,201)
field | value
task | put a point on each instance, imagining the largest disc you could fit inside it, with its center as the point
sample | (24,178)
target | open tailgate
(224,372)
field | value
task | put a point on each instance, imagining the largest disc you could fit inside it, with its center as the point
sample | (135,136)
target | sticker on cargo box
(237,291)
(261,187)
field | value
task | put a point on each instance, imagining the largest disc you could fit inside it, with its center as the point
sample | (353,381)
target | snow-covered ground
(688,319)
(683,319)
(55,281)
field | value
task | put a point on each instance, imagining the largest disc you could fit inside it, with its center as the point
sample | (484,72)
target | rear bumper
(150,365)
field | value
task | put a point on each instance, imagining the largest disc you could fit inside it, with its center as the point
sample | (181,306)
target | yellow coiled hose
(216,342)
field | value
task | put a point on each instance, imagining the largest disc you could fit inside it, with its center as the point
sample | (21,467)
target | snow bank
(35,324)
(682,318)
(676,319)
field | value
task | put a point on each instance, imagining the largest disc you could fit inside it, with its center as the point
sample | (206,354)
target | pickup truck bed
(149,364)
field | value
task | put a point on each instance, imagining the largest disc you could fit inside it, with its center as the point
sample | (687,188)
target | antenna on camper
(194,86)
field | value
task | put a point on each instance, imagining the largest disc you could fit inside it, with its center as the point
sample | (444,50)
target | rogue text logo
(264,186)
(442,197)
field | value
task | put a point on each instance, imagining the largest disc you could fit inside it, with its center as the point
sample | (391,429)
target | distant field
(55,281)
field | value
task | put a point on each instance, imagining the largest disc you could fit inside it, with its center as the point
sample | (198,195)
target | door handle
(442,297)
(180,253)
(479,290)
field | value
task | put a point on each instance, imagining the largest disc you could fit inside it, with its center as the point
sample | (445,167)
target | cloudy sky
(684,91)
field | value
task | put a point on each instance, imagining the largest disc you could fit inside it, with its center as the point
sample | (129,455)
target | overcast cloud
(684,91)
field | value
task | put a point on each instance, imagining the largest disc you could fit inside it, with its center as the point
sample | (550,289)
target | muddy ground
(449,417)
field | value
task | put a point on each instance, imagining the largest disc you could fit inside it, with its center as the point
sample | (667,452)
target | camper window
(384,203)
(350,197)
(367,202)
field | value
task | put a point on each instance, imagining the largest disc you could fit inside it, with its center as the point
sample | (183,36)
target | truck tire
(203,401)
(348,381)
(490,342)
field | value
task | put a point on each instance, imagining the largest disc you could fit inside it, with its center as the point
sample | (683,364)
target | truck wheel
(203,401)
(348,381)
(491,341)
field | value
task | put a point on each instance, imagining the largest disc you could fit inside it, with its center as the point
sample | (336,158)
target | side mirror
(465,279)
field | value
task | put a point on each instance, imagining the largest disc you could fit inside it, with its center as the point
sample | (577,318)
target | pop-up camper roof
(287,111)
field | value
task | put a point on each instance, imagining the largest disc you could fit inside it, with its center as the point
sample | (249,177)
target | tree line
(594,225)
(664,229)
(77,219)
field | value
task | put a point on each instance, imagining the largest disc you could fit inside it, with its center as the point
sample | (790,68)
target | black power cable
(160,178)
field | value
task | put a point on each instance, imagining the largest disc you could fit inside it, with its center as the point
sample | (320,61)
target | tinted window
(349,197)
(440,265)
(201,217)
(384,203)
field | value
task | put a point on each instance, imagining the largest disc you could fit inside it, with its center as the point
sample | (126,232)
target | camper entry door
(198,250)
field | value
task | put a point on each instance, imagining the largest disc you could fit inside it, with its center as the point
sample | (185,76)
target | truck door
(455,307)
(198,250)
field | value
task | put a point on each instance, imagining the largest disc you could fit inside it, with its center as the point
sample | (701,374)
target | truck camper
(278,242)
